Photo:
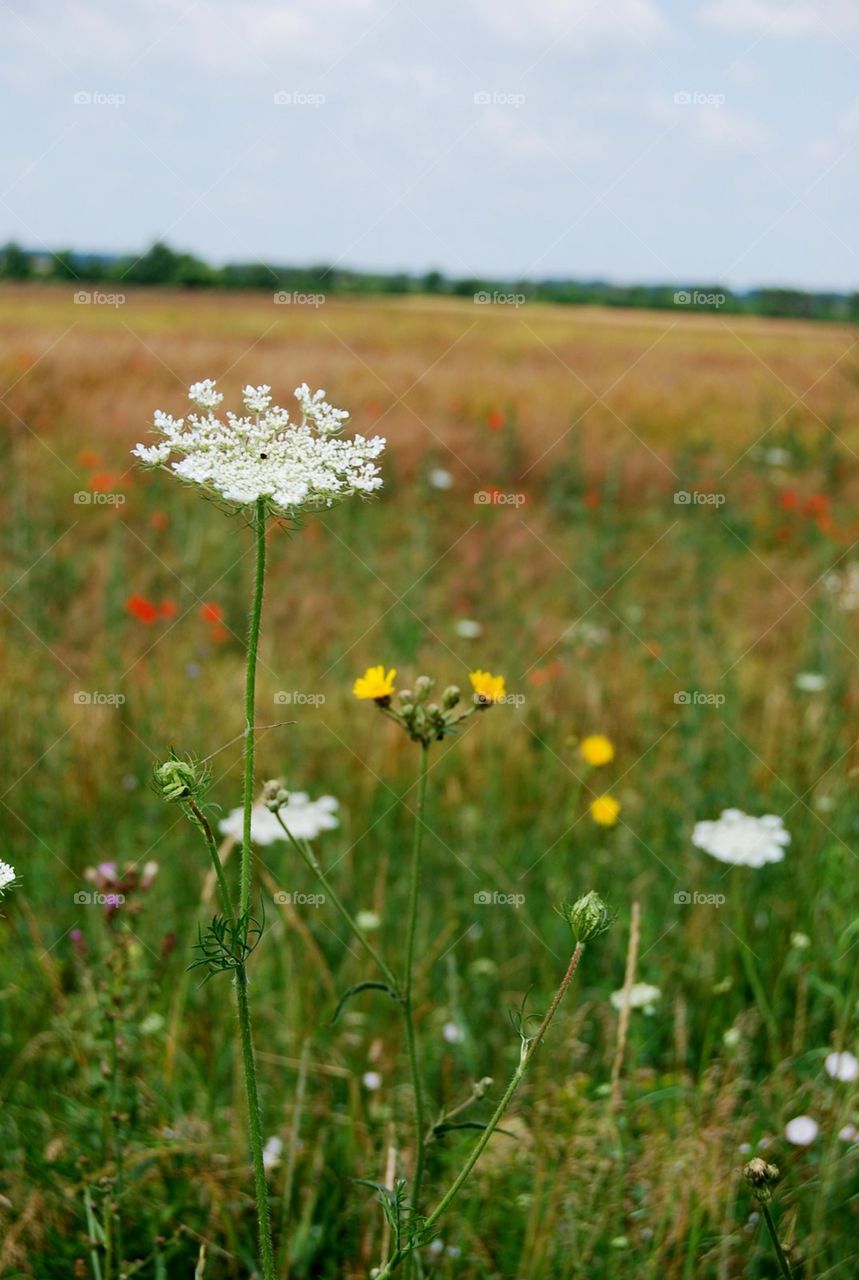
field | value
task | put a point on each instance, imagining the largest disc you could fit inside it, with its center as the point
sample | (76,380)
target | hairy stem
(212,845)
(779,1252)
(254,1124)
(406,996)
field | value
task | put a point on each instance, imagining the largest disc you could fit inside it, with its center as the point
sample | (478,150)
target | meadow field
(648,523)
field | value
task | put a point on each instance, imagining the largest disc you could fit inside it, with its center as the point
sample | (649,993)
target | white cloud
(571,23)
(783,21)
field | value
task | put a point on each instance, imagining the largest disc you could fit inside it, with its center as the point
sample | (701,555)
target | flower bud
(178,779)
(450,697)
(761,1176)
(588,917)
(423,687)
(274,794)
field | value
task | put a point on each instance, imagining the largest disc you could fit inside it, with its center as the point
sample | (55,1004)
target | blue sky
(647,140)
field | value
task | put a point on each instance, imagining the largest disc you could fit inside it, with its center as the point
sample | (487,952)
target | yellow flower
(597,749)
(605,810)
(375,684)
(487,688)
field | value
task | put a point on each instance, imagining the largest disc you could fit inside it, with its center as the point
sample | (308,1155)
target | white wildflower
(800,941)
(7,876)
(810,682)
(440,479)
(468,628)
(842,1066)
(641,996)
(371,1080)
(801,1131)
(272,1152)
(368,921)
(849,1133)
(293,465)
(304,818)
(744,841)
(452,1033)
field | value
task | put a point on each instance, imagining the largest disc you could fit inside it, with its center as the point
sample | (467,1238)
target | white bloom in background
(810,682)
(800,941)
(742,840)
(843,585)
(777,458)
(641,996)
(801,1131)
(440,479)
(842,1066)
(272,1152)
(452,1033)
(849,1133)
(371,1080)
(467,628)
(305,819)
(295,466)
(7,876)
(368,921)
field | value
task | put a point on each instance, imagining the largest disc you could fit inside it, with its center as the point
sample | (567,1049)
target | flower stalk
(407,1003)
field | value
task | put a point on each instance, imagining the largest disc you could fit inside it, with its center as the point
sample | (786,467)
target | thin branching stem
(408,1010)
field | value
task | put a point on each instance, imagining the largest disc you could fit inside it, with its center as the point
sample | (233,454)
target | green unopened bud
(274,794)
(588,917)
(423,687)
(761,1177)
(450,697)
(178,779)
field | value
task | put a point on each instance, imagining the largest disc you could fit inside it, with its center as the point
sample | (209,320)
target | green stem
(779,1252)
(250,703)
(309,857)
(408,1014)
(528,1051)
(254,1124)
(254,1114)
(212,845)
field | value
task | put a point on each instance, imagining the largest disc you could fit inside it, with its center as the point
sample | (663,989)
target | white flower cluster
(7,876)
(262,454)
(743,841)
(642,995)
(304,818)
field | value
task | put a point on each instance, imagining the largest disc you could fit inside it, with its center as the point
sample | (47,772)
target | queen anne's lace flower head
(294,466)
(744,841)
(7,876)
(304,818)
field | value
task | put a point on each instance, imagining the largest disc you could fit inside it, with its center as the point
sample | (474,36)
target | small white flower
(7,876)
(800,941)
(371,1080)
(452,1033)
(293,466)
(272,1152)
(777,458)
(810,682)
(801,1131)
(440,479)
(849,1133)
(467,628)
(368,921)
(731,1038)
(641,996)
(842,1066)
(743,841)
(304,818)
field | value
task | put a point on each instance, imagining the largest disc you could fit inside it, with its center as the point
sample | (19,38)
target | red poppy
(816,505)
(159,520)
(495,419)
(211,613)
(104,482)
(788,500)
(88,458)
(142,609)
(219,634)
(168,609)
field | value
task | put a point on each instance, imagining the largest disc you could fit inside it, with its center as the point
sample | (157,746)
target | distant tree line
(161,265)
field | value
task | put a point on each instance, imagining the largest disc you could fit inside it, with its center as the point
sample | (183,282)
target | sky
(682,141)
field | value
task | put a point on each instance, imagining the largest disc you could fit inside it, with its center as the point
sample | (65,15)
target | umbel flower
(305,819)
(7,876)
(741,840)
(262,454)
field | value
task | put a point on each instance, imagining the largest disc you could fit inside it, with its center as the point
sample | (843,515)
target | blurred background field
(530,524)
